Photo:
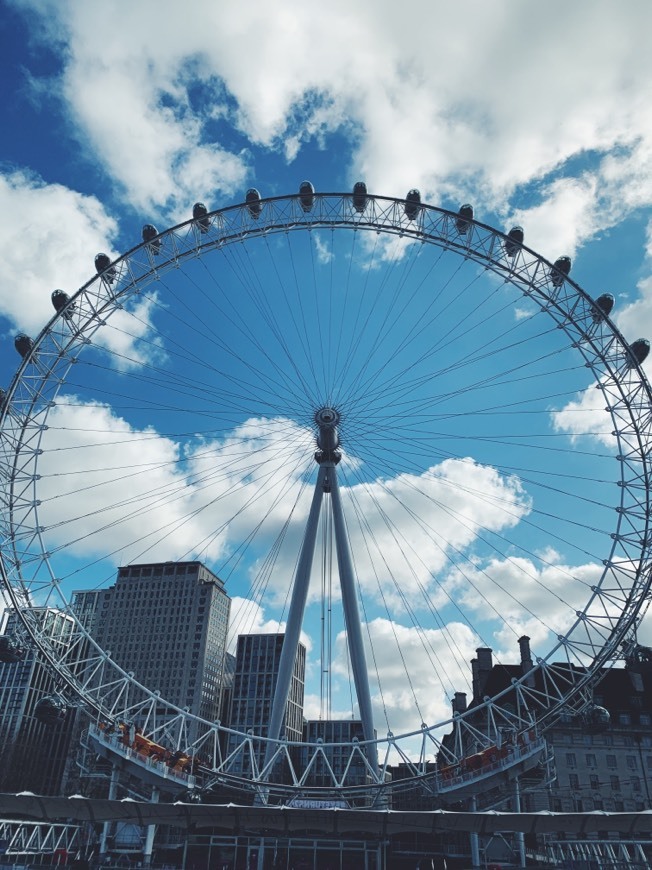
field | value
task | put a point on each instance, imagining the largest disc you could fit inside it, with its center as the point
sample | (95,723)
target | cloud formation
(413,672)
(49,235)
(538,113)
(433,99)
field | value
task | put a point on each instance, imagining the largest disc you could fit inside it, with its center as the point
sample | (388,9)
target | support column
(352,621)
(260,864)
(151,831)
(295,616)
(327,457)
(475,840)
(520,836)
(113,792)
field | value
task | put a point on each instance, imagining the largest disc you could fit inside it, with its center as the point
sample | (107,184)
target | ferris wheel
(382,423)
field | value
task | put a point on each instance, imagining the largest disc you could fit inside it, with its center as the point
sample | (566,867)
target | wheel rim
(298,386)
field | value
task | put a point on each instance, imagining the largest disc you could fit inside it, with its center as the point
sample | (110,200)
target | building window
(615,783)
(571,761)
(645,719)
(624,718)
(574,781)
(636,783)
(590,759)
(611,762)
(594,781)
(631,762)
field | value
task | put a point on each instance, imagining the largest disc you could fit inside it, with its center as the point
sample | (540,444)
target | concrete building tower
(254,682)
(166,622)
(32,753)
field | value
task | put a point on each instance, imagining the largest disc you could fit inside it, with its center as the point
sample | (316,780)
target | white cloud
(520,597)
(576,209)
(49,237)
(412,671)
(404,530)
(427,97)
(635,319)
(248,617)
(111,489)
(586,415)
(314,708)
(324,255)
(564,220)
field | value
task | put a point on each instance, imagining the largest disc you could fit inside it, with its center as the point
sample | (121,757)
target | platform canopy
(332,821)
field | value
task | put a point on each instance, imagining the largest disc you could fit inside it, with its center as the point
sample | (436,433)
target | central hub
(327,418)
(327,439)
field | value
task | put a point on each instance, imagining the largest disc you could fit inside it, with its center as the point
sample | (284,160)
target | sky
(191,402)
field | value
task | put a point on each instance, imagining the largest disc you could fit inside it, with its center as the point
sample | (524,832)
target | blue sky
(119,114)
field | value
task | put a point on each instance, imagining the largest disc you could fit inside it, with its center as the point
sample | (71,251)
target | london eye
(383,424)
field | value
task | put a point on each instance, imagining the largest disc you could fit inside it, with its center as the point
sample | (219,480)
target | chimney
(476,679)
(526,655)
(484,666)
(459,702)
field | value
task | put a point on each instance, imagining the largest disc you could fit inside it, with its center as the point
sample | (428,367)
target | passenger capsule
(23,344)
(104,268)
(639,349)
(306,195)
(3,399)
(412,205)
(603,306)
(596,719)
(189,796)
(464,215)
(59,301)
(11,650)
(560,271)
(253,202)
(150,234)
(200,215)
(50,711)
(359,196)
(514,241)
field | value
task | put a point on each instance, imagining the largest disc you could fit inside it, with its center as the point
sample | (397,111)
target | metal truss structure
(23,838)
(616,854)
(600,628)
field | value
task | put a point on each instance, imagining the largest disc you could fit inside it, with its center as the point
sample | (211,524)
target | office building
(335,758)
(32,752)
(166,623)
(254,683)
